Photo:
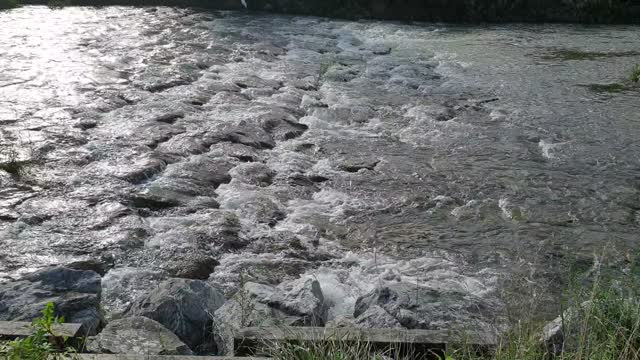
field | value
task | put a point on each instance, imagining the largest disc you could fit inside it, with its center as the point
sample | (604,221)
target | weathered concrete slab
(23,328)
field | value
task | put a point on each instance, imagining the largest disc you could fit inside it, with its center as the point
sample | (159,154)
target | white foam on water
(547,148)
(356,274)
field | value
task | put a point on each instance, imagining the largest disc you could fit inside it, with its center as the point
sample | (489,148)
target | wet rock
(301,298)
(419,307)
(121,287)
(85,124)
(201,232)
(182,182)
(184,307)
(241,152)
(255,93)
(75,294)
(376,317)
(283,129)
(184,145)
(155,133)
(257,82)
(191,265)
(341,321)
(557,334)
(169,118)
(140,169)
(355,165)
(253,173)
(298,303)
(257,206)
(246,134)
(137,335)
(96,265)
(381,49)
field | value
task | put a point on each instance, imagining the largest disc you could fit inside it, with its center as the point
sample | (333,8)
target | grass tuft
(635,74)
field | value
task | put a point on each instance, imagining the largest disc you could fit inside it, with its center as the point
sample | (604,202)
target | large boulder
(138,335)
(296,303)
(420,307)
(185,307)
(74,293)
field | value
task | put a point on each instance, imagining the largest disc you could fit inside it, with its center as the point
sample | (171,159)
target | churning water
(452,156)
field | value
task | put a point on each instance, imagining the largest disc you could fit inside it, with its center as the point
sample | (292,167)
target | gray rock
(419,307)
(297,303)
(341,321)
(75,294)
(184,307)
(183,182)
(138,335)
(257,82)
(556,334)
(121,287)
(355,165)
(253,173)
(192,265)
(377,317)
(85,124)
(244,133)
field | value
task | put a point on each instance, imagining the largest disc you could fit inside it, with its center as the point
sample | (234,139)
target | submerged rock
(74,293)
(184,307)
(138,335)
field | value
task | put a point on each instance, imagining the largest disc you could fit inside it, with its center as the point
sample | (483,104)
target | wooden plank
(158,357)
(23,328)
(388,336)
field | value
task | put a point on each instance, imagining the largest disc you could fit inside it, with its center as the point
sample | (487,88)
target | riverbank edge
(456,11)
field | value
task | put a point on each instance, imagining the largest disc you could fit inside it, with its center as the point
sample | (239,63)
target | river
(168,142)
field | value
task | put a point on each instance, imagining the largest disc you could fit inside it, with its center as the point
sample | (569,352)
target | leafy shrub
(44,343)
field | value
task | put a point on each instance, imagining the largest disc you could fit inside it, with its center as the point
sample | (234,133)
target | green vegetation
(8,4)
(334,349)
(42,344)
(635,74)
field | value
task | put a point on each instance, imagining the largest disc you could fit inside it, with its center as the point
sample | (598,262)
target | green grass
(635,74)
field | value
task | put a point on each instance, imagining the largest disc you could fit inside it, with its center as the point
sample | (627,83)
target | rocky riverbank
(586,11)
(183,316)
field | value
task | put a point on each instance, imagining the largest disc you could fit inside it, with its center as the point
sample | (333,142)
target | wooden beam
(371,335)
(250,341)
(23,328)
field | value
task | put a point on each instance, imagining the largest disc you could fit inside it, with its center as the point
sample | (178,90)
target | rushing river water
(162,142)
